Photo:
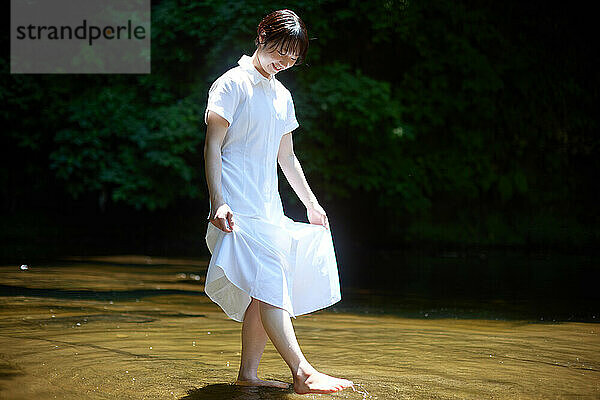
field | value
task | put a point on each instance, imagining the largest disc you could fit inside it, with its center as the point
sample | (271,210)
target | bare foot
(317,382)
(260,382)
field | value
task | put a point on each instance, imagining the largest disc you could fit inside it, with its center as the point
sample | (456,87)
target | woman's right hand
(222,217)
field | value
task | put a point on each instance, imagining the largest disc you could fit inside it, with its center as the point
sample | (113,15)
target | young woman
(265,267)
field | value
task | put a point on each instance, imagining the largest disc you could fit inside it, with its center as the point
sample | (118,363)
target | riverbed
(136,327)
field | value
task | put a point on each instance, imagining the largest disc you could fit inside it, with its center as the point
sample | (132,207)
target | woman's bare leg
(280,330)
(254,339)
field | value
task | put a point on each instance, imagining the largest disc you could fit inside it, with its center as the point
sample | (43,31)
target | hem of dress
(249,295)
(321,308)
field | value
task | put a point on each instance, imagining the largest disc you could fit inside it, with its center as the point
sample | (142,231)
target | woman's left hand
(316,215)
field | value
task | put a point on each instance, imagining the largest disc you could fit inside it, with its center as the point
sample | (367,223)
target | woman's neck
(257,65)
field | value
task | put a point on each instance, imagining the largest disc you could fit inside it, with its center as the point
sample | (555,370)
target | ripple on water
(179,345)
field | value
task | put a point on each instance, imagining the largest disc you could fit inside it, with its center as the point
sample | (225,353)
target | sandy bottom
(141,328)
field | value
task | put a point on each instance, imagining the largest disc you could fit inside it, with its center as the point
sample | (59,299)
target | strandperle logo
(82,32)
(80,36)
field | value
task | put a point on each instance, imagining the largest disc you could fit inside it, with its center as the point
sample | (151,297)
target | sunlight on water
(141,328)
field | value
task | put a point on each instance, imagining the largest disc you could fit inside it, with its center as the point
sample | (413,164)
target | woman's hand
(222,217)
(316,215)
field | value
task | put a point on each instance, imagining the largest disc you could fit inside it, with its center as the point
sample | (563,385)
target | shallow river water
(132,327)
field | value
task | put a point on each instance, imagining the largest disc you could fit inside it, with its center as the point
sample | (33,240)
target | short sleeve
(223,98)
(291,122)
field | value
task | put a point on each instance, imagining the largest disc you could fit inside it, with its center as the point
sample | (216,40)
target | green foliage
(453,118)
(144,158)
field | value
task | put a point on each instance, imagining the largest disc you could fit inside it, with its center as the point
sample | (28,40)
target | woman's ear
(261,36)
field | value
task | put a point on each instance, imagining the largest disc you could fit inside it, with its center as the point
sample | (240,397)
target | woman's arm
(290,165)
(215,133)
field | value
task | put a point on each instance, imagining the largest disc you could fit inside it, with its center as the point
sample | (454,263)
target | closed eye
(283,55)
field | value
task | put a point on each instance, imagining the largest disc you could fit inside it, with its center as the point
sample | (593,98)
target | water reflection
(229,391)
(131,329)
(493,284)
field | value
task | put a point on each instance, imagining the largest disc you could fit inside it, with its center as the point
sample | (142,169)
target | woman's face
(272,61)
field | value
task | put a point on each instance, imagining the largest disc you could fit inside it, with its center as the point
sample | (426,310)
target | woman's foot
(260,382)
(317,382)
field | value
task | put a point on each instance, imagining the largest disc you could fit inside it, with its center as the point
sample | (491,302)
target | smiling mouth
(277,68)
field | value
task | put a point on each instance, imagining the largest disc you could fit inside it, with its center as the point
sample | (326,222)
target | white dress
(268,256)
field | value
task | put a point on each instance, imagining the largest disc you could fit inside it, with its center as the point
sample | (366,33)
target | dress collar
(246,63)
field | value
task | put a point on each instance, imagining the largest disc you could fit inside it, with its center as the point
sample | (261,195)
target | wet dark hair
(283,30)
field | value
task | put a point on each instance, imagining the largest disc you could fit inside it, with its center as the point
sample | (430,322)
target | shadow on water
(229,391)
(494,284)
(7,290)
(7,371)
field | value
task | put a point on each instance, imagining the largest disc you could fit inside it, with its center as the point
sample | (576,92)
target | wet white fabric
(268,256)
